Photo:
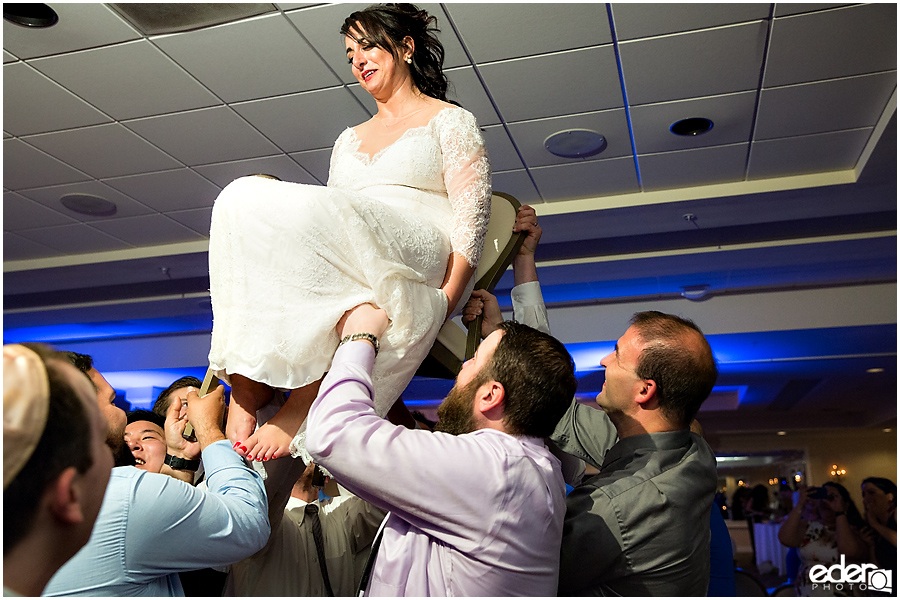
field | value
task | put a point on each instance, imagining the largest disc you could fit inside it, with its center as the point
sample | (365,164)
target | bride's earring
(409,60)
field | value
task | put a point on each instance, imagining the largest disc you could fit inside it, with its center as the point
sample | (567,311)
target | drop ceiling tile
(280,166)
(529,136)
(294,5)
(689,168)
(840,104)
(835,43)
(7,57)
(126,81)
(50,197)
(74,239)
(690,65)
(364,98)
(104,151)
(26,167)
(317,162)
(454,54)
(500,149)
(466,88)
(807,154)
(204,136)
(254,58)
(32,103)
(731,114)
(792,8)
(197,219)
(168,190)
(586,179)
(562,27)
(148,230)
(306,121)
(544,86)
(80,26)
(21,213)
(641,20)
(518,185)
(16,247)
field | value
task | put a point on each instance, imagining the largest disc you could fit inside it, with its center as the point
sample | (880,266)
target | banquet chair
(745,584)
(454,345)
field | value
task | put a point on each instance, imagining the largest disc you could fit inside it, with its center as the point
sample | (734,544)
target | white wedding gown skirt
(287,260)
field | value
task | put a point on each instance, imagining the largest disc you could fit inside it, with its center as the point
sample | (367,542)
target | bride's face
(374,67)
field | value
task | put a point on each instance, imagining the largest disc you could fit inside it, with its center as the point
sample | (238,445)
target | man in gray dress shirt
(640,527)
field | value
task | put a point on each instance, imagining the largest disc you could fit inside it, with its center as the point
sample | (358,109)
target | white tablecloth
(768,548)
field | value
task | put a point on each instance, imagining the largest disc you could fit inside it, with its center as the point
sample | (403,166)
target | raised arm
(467,177)
(178,527)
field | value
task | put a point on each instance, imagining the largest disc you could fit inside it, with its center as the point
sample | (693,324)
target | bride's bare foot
(247,397)
(240,426)
(273,439)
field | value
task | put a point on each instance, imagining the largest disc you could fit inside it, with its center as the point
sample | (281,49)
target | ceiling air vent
(155,19)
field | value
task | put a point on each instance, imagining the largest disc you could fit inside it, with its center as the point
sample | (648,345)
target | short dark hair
(146,415)
(386,25)
(83,362)
(161,406)
(538,378)
(678,358)
(65,442)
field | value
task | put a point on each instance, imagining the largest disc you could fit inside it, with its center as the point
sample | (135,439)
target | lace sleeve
(467,177)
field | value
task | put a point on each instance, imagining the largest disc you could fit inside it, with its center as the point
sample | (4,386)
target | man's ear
(65,497)
(647,393)
(489,396)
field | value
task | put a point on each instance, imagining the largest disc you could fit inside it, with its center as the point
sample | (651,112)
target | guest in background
(830,528)
(290,564)
(880,505)
(178,389)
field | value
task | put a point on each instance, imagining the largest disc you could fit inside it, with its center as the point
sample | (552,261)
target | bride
(400,225)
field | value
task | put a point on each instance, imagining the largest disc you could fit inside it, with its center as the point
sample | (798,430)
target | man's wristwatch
(182,464)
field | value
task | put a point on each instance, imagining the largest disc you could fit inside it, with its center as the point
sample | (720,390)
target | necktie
(312,511)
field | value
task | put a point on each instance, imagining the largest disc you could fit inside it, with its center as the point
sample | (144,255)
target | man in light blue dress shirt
(151,526)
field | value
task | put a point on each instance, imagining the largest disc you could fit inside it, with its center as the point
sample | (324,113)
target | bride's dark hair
(385,25)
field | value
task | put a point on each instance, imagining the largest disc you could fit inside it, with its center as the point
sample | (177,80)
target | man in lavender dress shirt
(476,508)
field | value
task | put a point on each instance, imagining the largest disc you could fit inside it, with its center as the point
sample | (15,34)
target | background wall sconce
(837,471)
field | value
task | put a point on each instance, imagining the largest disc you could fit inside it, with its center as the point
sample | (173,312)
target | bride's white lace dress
(287,260)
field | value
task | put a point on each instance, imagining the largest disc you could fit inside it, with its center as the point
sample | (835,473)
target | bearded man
(476,508)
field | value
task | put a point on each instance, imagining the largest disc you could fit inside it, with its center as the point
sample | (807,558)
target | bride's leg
(273,439)
(247,397)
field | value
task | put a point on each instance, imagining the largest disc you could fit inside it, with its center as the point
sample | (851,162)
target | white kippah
(26,402)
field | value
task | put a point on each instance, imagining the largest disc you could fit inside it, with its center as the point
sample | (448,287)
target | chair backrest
(453,345)
(746,584)
(501,245)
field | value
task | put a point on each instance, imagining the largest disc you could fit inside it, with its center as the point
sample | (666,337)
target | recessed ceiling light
(887,430)
(575,143)
(86,204)
(782,433)
(30,15)
(691,127)
(696,292)
(875,370)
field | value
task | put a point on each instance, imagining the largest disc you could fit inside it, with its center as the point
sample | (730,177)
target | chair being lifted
(454,345)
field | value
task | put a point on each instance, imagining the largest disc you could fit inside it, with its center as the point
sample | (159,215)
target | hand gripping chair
(453,345)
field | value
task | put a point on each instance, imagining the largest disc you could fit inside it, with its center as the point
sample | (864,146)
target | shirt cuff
(527,294)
